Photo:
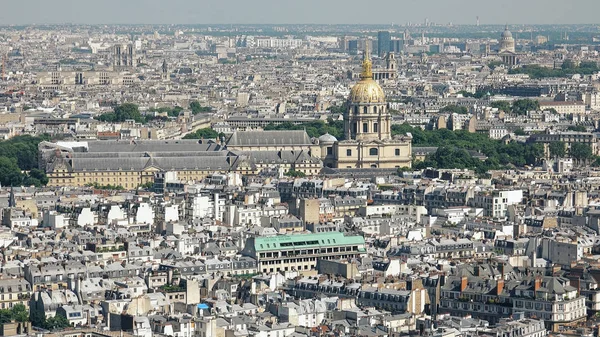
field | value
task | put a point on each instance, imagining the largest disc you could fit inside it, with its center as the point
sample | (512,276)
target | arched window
(365,127)
(366,110)
(373,151)
(356,109)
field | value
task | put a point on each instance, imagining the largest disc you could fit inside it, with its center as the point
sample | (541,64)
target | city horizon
(464,12)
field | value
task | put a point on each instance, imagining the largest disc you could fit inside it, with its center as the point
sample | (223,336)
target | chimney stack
(538,283)
(464,281)
(499,286)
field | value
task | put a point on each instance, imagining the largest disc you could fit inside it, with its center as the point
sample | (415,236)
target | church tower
(367,118)
(165,70)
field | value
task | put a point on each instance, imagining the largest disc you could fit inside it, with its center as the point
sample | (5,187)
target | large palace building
(367,128)
(368,144)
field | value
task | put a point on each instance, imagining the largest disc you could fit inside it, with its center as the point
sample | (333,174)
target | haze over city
(308,168)
(298,12)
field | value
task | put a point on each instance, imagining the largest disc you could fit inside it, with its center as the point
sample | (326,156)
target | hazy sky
(298,11)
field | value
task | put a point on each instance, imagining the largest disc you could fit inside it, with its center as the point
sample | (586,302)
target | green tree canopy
(18,313)
(522,106)
(568,64)
(10,173)
(56,323)
(206,133)
(197,108)
(313,129)
(581,151)
(557,149)
(455,109)
(123,112)
(338,109)
(578,128)
(171,112)
(567,69)
(295,174)
(501,105)
(520,132)
(450,142)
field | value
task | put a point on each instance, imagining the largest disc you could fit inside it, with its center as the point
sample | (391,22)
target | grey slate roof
(268,138)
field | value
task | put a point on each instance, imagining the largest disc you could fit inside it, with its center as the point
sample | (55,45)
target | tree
(581,151)
(295,174)
(197,108)
(494,64)
(206,133)
(455,109)
(39,175)
(449,142)
(313,129)
(17,313)
(568,64)
(578,128)
(38,319)
(123,112)
(10,173)
(55,323)
(20,313)
(501,105)
(520,132)
(557,149)
(148,185)
(523,106)
(338,109)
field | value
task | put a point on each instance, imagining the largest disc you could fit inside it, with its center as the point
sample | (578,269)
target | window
(373,151)
(365,127)
(397,152)
(348,153)
(375,127)
(365,110)
(329,150)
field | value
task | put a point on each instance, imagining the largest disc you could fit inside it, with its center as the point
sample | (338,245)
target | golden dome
(366,90)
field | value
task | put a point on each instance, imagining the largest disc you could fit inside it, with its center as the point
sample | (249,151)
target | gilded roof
(366,90)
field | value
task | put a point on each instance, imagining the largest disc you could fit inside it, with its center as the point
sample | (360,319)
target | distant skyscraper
(353,47)
(384,40)
(478,21)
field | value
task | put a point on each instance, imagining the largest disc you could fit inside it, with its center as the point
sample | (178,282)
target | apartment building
(301,251)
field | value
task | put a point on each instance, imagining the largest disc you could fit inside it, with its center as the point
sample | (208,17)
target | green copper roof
(306,241)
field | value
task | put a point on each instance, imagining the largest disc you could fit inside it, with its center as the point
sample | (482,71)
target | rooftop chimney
(538,283)
(463,283)
(499,286)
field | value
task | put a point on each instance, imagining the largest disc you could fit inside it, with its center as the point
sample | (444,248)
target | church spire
(367,72)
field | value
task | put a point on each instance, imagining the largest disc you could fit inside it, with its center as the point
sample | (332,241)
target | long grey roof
(269,138)
(164,163)
(178,145)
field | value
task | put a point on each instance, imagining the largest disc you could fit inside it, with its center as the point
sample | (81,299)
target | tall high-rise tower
(384,40)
